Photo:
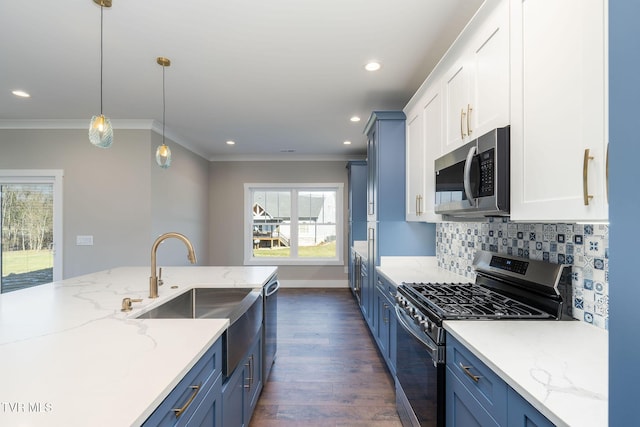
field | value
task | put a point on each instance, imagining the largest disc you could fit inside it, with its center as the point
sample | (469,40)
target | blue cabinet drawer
(483,384)
(190,391)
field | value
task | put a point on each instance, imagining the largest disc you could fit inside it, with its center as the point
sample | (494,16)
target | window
(30,228)
(293,224)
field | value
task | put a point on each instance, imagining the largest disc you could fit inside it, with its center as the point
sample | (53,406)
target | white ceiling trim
(285,157)
(72,124)
(127,124)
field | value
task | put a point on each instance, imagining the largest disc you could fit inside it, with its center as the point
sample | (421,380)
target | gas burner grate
(471,301)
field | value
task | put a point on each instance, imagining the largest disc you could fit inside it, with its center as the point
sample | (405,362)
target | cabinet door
(523,414)
(253,377)
(457,89)
(424,145)
(233,399)
(209,412)
(415,165)
(372,174)
(462,409)
(382,325)
(433,139)
(558,103)
(489,103)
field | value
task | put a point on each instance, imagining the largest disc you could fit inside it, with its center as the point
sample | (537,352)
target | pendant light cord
(101,54)
(163,105)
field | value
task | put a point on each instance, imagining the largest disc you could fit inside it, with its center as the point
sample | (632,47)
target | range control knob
(429,326)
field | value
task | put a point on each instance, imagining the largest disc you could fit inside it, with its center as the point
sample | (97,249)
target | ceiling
(281,78)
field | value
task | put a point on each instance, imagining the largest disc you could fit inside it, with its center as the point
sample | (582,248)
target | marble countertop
(69,356)
(360,246)
(560,367)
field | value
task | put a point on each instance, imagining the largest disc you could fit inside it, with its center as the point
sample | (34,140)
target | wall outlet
(84,240)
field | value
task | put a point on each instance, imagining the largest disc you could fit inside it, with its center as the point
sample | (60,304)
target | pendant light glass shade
(163,153)
(101,131)
(163,156)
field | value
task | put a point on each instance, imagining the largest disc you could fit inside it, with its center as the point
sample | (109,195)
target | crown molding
(128,124)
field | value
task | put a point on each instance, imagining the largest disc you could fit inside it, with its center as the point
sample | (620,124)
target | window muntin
(295,224)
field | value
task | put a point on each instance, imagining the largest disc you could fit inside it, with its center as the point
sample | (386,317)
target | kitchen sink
(206,303)
(242,306)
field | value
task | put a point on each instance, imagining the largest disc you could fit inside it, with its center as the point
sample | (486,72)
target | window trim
(249,259)
(44,176)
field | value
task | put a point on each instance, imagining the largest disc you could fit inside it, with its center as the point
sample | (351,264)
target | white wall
(179,202)
(117,194)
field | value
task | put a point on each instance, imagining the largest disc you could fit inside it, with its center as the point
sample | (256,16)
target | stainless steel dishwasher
(270,324)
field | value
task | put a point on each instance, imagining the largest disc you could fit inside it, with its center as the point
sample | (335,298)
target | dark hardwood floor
(328,371)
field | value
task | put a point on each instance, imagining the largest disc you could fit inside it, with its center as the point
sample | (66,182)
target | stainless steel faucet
(153,280)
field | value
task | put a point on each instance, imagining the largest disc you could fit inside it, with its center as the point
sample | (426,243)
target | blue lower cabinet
(385,322)
(186,399)
(477,396)
(240,392)
(523,414)
(209,412)
(463,410)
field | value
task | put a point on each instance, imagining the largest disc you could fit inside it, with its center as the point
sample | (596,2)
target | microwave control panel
(486,173)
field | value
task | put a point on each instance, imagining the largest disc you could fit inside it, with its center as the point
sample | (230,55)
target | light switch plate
(84,240)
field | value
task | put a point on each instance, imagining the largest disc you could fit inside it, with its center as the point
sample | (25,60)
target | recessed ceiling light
(372,66)
(347,143)
(231,143)
(355,119)
(21,94)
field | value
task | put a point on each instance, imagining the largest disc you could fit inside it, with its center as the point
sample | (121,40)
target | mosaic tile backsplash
(584,246)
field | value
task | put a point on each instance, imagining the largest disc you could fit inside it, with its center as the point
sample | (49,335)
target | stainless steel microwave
(473,180)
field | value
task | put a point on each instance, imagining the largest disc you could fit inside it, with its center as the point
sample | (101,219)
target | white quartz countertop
(360,246)
(416,269)
(560,367)
(70,357)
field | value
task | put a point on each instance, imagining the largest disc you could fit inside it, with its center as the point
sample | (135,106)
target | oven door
(420,376)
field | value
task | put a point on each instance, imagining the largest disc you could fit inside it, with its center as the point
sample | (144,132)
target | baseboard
(314,283)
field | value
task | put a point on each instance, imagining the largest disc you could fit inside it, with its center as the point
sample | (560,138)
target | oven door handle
(467,175)
(430,345)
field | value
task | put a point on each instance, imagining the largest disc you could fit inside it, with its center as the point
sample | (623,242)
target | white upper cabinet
(476,84)
(415,165)
(558,110)
(424,142)
(465,96)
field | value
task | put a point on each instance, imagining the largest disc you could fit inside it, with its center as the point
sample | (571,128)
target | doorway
(30,228)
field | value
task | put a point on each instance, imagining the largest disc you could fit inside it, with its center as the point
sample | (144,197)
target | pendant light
(100,130)
(163,153)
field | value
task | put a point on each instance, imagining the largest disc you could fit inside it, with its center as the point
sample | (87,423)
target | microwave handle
(467,175)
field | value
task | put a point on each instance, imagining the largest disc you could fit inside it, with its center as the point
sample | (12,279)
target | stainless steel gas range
(506,288)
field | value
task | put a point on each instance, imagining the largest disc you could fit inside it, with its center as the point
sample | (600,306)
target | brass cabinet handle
(469,110)
(585,176)
(466,370)
(462,115)
(179,411)
(418,205)
(249,364)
